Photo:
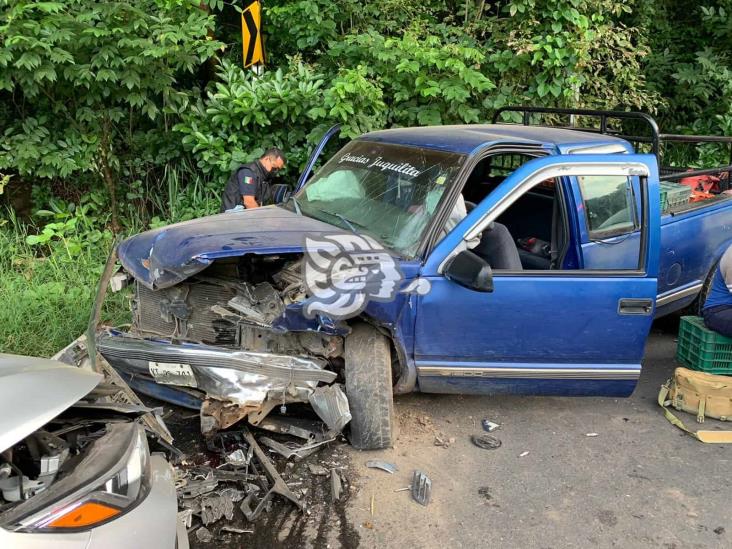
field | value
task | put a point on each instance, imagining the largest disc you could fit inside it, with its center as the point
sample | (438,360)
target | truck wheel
(369,388)
(698,304)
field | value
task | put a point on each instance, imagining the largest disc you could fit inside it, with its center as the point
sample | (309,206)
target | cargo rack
(656,139)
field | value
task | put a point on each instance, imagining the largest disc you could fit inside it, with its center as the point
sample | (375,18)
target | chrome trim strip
(675,295)
(612,148)
(617,167)
(530,373)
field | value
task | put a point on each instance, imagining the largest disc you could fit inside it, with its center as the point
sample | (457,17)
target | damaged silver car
(75,469)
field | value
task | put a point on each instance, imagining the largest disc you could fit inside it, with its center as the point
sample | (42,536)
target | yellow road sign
(251,32)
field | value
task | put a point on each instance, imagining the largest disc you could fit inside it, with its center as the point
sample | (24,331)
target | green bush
(291,107)
(424,80)
(91,87)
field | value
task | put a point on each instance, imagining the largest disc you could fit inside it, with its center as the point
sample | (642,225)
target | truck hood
(166,256)
(33,391)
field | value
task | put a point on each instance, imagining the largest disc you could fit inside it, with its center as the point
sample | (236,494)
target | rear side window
(609,205)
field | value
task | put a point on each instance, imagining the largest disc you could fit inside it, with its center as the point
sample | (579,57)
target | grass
(47,289)
(45,300)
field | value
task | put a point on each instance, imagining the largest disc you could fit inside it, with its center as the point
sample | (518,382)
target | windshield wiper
(298,211)
(347,222)
(343,218)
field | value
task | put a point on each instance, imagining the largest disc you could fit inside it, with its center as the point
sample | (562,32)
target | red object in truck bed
(700,196)
(701,183)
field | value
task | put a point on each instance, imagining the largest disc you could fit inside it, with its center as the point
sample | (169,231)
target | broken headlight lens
(114,477)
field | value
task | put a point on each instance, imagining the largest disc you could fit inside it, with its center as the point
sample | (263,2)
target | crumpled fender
(164,257)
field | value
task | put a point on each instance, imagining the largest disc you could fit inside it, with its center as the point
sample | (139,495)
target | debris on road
(293,450)
(318,470)
(216,507)
(233,530)
(335,486)
(486,442)
(442,440)
(306,429)
(204,535)
(383,465)
(421,487)
(196,488)
(278,485)
(234,480)
(238,495)
(489,426)
(238,458)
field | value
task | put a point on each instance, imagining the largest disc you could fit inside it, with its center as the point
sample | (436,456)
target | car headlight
(110,480)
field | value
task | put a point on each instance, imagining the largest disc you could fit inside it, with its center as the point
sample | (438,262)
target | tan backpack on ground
(702,394)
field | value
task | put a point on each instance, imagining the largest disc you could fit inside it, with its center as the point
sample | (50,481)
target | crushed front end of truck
(232,346)
(218,320)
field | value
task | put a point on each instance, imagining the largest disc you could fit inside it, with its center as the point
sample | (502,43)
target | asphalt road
(639,483)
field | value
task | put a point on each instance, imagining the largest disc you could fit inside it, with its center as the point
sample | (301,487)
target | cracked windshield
(389,192)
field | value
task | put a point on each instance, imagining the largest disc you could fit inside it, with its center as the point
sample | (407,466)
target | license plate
(173,373)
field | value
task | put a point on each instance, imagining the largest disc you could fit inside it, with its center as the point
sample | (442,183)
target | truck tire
(369,388)
(698,304)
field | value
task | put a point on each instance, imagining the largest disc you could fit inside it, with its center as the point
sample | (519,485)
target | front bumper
(242,378)
(150,525)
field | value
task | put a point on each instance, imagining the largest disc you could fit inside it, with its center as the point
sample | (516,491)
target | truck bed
(693,238)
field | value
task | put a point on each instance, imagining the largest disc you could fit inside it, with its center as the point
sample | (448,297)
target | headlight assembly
(110,480)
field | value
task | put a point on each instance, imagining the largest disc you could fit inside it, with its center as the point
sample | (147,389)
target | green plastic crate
(699,348)
(674,195)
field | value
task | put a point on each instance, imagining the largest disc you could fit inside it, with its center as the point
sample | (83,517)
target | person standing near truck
(717,310)
(249,185)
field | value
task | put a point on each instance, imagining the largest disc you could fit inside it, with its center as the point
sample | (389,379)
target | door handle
(634,306)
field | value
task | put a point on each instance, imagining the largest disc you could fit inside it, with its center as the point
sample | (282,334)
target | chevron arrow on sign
(251,25)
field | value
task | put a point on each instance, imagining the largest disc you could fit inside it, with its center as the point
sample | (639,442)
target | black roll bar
(656,138)
(693,173)
(526,113)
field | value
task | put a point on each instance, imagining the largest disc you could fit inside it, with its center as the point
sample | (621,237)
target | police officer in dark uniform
(248,187)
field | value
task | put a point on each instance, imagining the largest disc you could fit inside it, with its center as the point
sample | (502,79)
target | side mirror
(470,271)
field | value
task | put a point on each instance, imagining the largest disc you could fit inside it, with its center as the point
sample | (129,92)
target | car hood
(166,256)
(33,391)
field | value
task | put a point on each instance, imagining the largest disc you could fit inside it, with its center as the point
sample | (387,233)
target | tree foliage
(291,107)
(90,84)
(114,97)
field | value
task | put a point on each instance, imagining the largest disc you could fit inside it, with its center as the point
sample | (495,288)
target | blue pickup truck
(505,258)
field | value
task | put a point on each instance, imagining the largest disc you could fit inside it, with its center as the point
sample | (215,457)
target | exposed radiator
(184,312)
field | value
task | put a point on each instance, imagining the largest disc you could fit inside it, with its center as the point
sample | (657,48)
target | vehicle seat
(534,262)
(498,248)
